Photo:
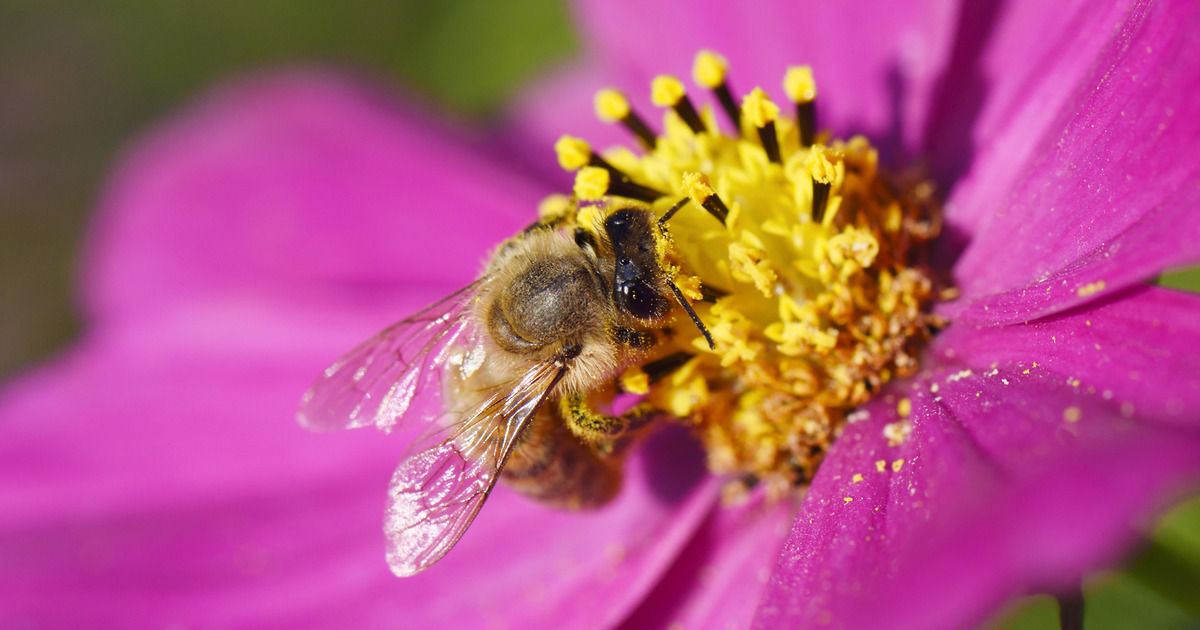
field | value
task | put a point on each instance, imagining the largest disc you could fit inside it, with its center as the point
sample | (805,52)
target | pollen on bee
(798,254)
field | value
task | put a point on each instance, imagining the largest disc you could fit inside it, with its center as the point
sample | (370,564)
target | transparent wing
(439,487)
(377,382)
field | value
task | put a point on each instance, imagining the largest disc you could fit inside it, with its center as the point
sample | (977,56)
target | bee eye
(640,300)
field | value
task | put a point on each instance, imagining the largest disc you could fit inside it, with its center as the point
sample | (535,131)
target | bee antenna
(692,313)
(662,221)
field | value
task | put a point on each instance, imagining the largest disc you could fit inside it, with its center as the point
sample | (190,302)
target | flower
(153,474)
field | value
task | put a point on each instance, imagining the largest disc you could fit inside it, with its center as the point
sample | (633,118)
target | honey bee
(496,378)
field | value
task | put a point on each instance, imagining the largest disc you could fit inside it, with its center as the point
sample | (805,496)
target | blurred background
(79,78)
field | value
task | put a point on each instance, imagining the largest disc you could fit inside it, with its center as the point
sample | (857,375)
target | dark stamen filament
(716,207)
(820,197)
(621,186)
(806,119)
(725,98)
(688,113)
(638,127)
(770,142)
(660,368)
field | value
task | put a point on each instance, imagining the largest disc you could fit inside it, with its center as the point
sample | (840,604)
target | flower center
(801,257)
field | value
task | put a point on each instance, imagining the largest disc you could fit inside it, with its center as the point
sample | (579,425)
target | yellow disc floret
(800,257)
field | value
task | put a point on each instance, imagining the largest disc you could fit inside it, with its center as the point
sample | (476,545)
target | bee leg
(639,418)
(589,425)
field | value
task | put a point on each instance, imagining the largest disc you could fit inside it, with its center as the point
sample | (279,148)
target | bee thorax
(545,303)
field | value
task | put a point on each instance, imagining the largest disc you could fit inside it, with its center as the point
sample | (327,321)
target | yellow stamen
(759,109)
(591,183)
(804,281)
(611,105)
(799,85)
(696,187)
(573,153)
(666,91)
(709,69)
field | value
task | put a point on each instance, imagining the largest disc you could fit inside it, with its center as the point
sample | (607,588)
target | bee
(494,380)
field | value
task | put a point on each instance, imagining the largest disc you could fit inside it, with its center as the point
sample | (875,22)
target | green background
(78,79)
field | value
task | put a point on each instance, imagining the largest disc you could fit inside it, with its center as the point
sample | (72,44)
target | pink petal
(156,476)
(719,577)
(1016,477)
(1110,197)
(897,51)
(297,179)
(1014,91)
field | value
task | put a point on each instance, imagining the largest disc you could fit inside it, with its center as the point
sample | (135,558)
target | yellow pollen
(695,185)
(759,109)
(823,164)
(573,153)
(797,258)
(1090,289)
(553,205)
(799,85)
(709,69)
(591,183)
(666,91)
(611,105)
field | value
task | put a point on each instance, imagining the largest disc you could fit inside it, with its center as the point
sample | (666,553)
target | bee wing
(376,383)
(438,489)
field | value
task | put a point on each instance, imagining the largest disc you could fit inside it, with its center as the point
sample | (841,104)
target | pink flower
(154,474)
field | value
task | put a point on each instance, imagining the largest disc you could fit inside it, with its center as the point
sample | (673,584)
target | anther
(592,183)
(612,106)
(702,194)
(710,71)
(667,91)
(823,171)
(800,87)
(575,153)
(761,113)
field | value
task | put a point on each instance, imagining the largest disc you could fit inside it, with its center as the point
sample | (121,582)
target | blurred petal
(293,179)
(872,59)
(1110,197)
(718,578)
(156,476)
(1037,451)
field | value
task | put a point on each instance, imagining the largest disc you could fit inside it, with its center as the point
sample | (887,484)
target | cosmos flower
(154,475)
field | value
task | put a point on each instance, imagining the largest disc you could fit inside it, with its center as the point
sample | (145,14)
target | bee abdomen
(550,465)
